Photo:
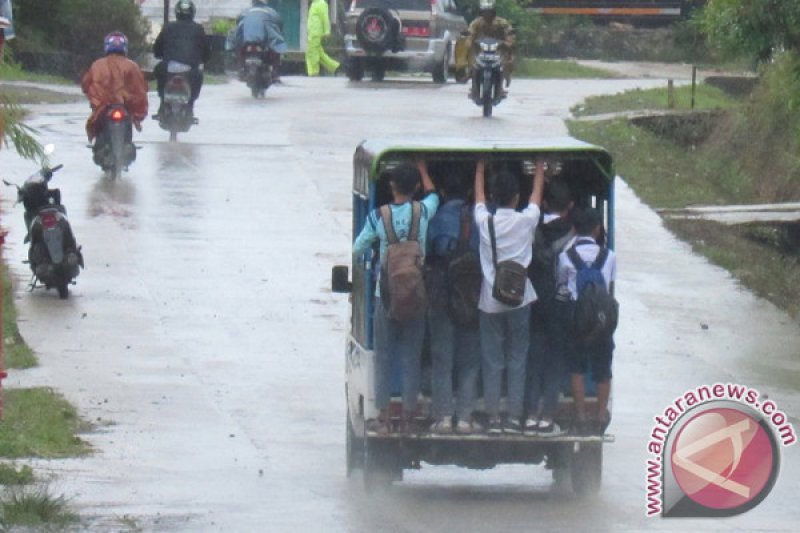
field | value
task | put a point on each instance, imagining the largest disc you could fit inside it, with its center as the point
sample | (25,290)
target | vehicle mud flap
(54,240)
(381,463)
(586,468)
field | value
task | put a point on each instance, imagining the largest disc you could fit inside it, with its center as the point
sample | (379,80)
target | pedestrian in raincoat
(319,25)
(115,79)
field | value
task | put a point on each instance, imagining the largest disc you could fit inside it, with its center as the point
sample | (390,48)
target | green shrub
(76,26)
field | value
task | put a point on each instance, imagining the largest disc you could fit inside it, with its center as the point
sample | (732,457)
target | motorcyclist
(114,79)
(488,24)
(261,24)
(179,45)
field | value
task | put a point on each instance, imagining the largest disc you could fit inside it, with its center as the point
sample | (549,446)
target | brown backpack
(402,279)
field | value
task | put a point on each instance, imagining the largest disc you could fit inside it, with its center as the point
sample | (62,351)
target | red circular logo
(723,458)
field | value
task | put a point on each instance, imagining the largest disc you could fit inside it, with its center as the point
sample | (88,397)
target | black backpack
(454,281)
(596,312)
(544,264)
(464,276)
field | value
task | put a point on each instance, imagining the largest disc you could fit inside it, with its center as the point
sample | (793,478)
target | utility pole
(166,12)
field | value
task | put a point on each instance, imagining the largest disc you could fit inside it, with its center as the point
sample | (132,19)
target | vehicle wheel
(63,291)
(173,136)
(486,94)
(586,469)
(354,69)
(355,448)
(441,69)
(378,71)
(377,29)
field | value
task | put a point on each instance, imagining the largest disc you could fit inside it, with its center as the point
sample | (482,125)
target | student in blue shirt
(398,340)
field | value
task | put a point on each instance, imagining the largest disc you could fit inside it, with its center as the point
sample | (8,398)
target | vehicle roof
(372,151)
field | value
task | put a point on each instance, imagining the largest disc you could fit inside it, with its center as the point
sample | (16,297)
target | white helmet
(487,5)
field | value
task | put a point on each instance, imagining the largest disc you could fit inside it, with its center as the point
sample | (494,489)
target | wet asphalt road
(204,342)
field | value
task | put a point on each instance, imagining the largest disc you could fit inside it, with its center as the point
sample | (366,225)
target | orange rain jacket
(114,79)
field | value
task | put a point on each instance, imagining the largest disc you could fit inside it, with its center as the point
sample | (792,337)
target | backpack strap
(600,260)
(465,231)
(577,262)
(416,215)
(388,223)
(493,238)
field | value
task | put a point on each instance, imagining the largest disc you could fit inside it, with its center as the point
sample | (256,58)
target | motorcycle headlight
(489,47)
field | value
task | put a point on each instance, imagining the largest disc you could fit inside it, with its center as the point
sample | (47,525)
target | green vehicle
(589,173)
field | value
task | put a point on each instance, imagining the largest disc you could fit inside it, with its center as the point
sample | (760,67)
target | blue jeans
(453,346)
(504,345)
(546,362)
(395,341)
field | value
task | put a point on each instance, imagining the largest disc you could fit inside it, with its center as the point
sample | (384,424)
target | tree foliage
(14,131)
(753,28)
(77,26)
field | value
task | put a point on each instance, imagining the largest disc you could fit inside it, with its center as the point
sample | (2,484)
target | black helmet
(257,3)
(184,10)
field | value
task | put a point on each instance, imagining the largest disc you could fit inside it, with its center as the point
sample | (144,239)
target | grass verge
(17,353)
(666,174)
(39,422)
(543,68)
(35,509)
(706,97)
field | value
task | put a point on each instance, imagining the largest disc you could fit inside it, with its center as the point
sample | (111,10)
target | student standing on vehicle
(596,356)
(546,367)
(454,338)
(505,329)
(181,44)
(114,79)
(318,26)
(395,339)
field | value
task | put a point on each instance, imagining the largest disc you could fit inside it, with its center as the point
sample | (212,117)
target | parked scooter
(487,76)
(54,256)
(176,112)
(113,147)
(260,69)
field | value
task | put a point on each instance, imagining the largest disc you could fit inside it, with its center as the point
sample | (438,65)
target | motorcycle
(175,114)
(487,76)
(259,70)
(113,147)
(54,256)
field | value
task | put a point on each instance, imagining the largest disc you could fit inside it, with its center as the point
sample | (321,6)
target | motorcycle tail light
(117,115)
(49,220)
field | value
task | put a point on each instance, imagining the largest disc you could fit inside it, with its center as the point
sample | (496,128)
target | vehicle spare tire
(378,30)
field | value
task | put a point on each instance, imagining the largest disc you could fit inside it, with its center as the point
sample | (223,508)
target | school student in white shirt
(597,356)
(505,329)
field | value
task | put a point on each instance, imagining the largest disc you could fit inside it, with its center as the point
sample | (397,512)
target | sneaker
(495,427)
(442,426)
(549,429)
(513,426)
(379,426)
(531,426)
(463,427)
(581,428)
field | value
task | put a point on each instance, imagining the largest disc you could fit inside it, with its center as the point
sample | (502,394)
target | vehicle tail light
(416,29)
(49,220)
(117,115)
(253,49)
